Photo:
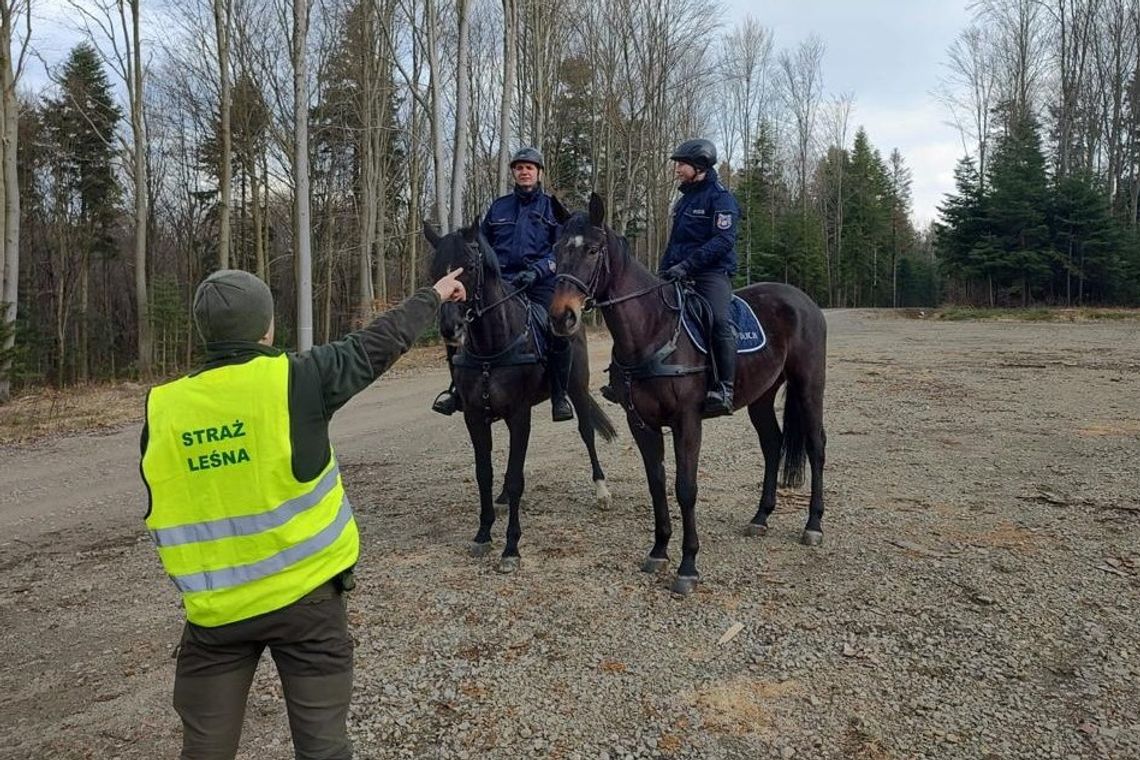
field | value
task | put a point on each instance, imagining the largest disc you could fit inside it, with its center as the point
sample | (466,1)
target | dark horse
(663,386)
(499,376)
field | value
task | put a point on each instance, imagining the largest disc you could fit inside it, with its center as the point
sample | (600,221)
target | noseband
(589,290)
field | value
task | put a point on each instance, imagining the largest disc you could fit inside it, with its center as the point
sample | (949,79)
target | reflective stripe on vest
(228,527)
(237,533)
(235,576)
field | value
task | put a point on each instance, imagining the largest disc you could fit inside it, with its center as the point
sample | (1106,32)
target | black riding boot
(558,364)
(718,400)
(448,402)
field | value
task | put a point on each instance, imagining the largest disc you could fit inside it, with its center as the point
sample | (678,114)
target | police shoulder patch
(723,220)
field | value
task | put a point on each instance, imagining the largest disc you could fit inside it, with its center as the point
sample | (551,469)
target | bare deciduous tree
(115,27)
(302,204)
(11,66)
(222,24)
(969,90)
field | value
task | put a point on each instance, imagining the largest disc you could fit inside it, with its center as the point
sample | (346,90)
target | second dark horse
(498,376)
(661,377)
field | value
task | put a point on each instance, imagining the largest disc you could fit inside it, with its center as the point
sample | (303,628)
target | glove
(525,279)
(676,272)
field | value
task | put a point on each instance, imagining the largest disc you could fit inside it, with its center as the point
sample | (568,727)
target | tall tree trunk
(302,208)
(82,358)
(138,127)
(258,241)
(265,273)
(326,332)
(412,234)
(10,191)
(462,104)
(382,153)
(368,161)
(510,79)
(439,150)
(222,16)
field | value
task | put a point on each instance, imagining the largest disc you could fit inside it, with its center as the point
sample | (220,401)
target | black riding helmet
(529,155)
(700,154)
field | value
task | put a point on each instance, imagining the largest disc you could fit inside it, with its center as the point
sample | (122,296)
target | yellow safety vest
(239,535)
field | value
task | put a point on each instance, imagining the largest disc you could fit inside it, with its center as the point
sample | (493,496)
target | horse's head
(582,252)
(466,248)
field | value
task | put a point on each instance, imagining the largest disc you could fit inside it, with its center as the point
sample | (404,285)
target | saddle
(696,316)
(695,319)
(530,347)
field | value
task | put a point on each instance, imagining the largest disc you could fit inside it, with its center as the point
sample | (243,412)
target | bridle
(589,289)
(478,310)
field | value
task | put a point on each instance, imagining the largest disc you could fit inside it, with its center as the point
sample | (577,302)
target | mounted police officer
(250,517)
(522,229)
(702,248)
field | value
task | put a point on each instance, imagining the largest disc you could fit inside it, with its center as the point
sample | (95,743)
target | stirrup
(717,403)
(446,403)
(561,409)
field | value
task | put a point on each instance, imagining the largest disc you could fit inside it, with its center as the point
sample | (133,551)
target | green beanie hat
(232,305)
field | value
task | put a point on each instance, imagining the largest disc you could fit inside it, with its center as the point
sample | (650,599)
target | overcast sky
(889,53)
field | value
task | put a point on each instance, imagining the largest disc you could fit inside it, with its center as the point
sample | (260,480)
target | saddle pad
(749,333)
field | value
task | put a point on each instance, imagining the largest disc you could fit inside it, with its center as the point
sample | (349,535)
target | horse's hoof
(502,498)
(755,529)
(653,564)
(684,585)
(477,549)
(812,538)
(602,492)
(507,565)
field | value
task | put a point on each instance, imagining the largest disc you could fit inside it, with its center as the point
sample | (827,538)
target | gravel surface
(976,595)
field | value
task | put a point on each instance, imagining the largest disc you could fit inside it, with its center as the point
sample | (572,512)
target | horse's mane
(450,252)
(490,258)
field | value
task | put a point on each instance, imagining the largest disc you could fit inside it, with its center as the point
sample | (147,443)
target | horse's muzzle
(452,337)
(565,322)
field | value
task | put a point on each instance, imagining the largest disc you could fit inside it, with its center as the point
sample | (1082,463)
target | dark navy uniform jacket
(522,229)
(704,228)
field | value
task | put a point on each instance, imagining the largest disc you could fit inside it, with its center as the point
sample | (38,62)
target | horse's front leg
(518,423)
(687,448)
(652,448)
(479,428)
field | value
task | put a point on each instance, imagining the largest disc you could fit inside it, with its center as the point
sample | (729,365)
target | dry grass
(41,413)
(1004,535)
(1031,314)
(1111,429)
(744,705)
(47,412)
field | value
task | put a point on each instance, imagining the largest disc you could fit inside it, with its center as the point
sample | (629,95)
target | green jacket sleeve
(348,366)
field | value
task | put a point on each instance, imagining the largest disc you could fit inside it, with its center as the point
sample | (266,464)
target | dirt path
(976,596)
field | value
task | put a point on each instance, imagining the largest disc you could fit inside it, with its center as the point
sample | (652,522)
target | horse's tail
(795,451)
(599,420)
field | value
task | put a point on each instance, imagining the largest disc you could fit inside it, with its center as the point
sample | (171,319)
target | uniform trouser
(312,649)
(716,287)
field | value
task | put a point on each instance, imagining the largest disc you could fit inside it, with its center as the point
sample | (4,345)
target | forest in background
(306,140)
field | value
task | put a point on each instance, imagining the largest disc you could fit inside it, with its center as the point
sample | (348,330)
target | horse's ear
(471,233)
(430,233)
(597,210)
(561,213)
